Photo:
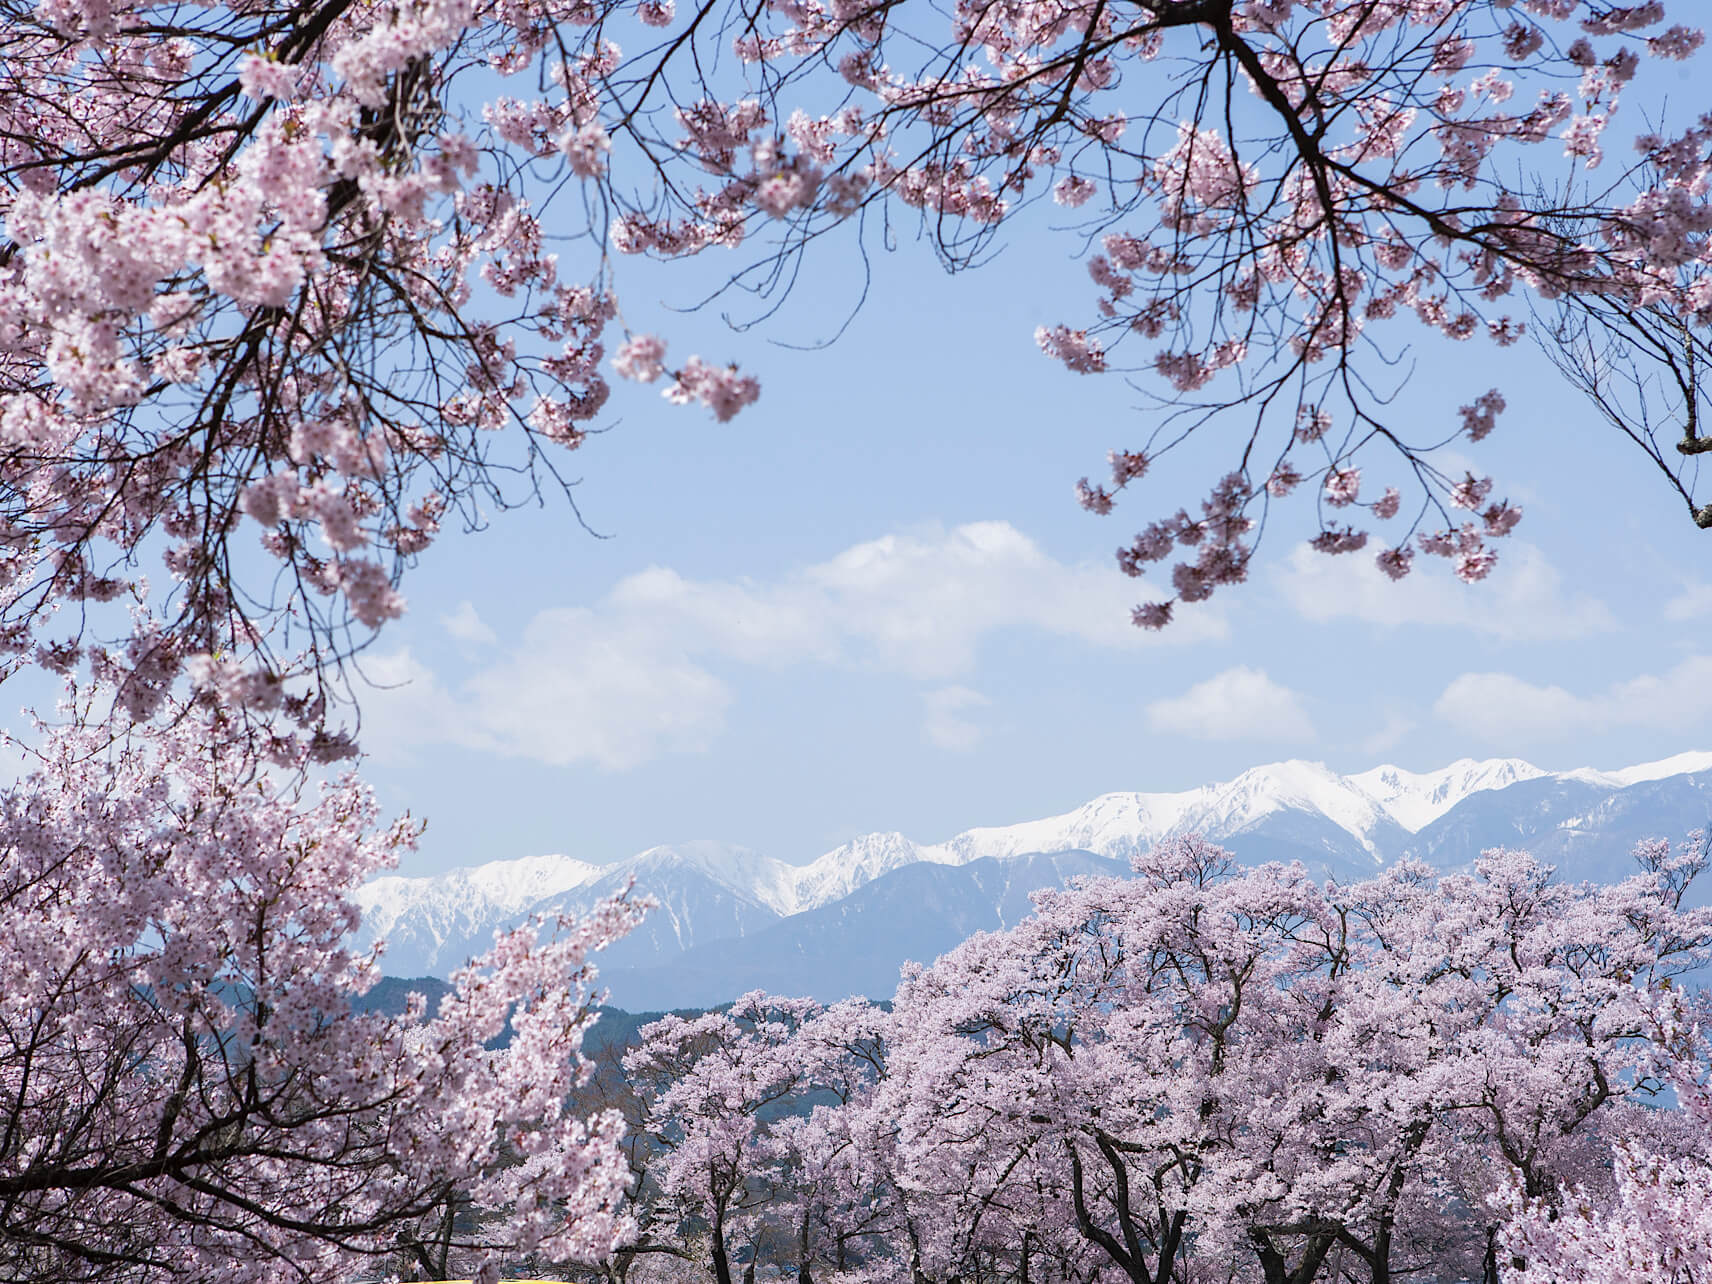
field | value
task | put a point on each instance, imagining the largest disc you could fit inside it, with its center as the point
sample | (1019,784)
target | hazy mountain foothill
(730,920)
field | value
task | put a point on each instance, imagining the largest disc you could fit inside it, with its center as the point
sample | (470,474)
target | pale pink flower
(368,591)
(1479,419)
(1470,492)
(1332,540)
(1312,424)
(1127,466)
(1476,564)
(263,78)
(1073,190)
(272,498)
(1096,499)
(722,389)
(1501,518)
(585,149)
(1342,487)
(1075,348)
(641,357)
(1284,479)
(1677,44)
(1395,562)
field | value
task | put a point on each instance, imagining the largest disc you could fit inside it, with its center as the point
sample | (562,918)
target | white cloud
(1692,603)
(919,604)
(1238,704)
(573,692)
(1502,708)
(466,626)
(1389,735)
(946,724)
(631,678)
(406,710)
(1524,599)
(578,690)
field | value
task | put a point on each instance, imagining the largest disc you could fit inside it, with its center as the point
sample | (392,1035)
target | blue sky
(871,602)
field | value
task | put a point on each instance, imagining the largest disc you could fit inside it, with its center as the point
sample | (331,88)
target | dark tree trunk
(1276,1268)
(1129,1253)
(721,1261)
(803,1274)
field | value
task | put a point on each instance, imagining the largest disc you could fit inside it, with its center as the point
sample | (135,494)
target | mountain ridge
(1346,827)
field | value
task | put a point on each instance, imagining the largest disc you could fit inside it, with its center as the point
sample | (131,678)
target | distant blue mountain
(730,920)
(1585,830)
(856,945)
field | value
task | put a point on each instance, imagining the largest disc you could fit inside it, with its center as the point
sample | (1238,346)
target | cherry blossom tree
(1195,1073)
(274,273)
(709,1084)
(760,1118)
(1655,1225)
(1201,1074)
(187,1090)
(837,1199)
(1657,1228)
(281,293)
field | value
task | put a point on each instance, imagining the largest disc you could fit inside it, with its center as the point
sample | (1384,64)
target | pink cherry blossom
(203,1094)
(641,357)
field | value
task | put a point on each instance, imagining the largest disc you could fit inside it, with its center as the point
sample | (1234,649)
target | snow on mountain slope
(858,862)
(473,894)
(760,878)
(1416,799)
(1122,824)
(1679,765)
(1111,825)
(1339,825)
(432,924)
(1284,786)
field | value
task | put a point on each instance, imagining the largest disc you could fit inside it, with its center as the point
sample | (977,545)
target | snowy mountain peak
(759,879)
(523,882)
(1121,824)
(1679,765)
(842,870)
(1308,786)
(505,885)
(1342,826)
(1416,799)
(1108,822)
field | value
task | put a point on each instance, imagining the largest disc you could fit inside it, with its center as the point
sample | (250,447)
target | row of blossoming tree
(1199,1075)
(281,294)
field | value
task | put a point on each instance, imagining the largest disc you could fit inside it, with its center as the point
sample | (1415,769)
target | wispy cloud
(634,677)
(947,724)
(1389,735)
(569,694)
(1501,708)
(919,604)
(1694,602)
(468,627)
(1525,599)
(1238,704)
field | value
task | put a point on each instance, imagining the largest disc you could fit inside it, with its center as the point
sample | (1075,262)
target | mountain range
(730,919)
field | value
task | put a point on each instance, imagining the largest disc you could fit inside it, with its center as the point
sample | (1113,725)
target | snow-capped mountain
(705,890)
(712,895)
(855,945)
(1415,799)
